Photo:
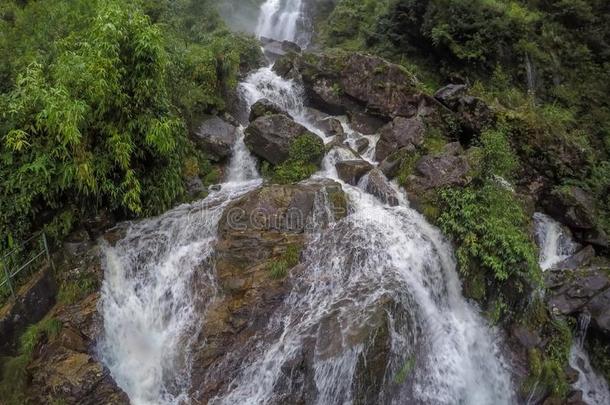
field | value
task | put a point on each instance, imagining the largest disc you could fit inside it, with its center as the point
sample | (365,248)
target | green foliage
(547,366)
(352,22)
(95,101)
(92,124)
(279,267)
(498,158)
(73,290)
(304,155)
(490,227)
(13,384)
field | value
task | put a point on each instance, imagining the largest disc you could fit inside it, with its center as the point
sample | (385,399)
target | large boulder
(474,114)
(572,206)
(270,137)
(586,290)
(450,168)
(265,107)
(329,125)
(338,82)
(351,171)
(254,232)
(216,137)
(376,184)
(400,133)
(274,49)
(365,123)
(576,208)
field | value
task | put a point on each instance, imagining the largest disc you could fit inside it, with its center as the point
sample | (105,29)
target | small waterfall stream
(380,265)
(283,20)
(593,386)
(556,244)
(555,241)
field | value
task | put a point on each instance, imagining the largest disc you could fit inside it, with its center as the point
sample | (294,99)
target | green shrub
(304,156)
(498,158)
(490,227)
(547,366)
(279,267)
(95,101)
(73,290)
(14,381)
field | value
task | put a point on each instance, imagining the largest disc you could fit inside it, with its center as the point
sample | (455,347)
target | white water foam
(388,259)
(555,241)
(282,20)
(380,262)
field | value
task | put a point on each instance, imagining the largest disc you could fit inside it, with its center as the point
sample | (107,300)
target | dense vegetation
(543,67)
(96,98)
(543,64)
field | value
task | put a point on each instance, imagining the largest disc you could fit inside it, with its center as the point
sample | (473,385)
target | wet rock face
(216,137)
(573,206)
(400,133)
(586,290)
(433,171)
(362,145)
(376,184)
(271,136)
(32,303)
(65,368)
(351,171)
(473,113)
(576,208)
(364,123)
(331,126)
(274,49)
(255,231)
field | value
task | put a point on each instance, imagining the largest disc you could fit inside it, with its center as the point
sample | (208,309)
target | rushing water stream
(380,262)
(556,244)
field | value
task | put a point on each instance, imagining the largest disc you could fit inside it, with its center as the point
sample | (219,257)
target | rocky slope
(427,143)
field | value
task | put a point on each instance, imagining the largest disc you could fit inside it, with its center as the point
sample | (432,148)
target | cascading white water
(242,167)
(379,262)
(157,284)
(380,256)
(594,387)
(281,20)
(555,242)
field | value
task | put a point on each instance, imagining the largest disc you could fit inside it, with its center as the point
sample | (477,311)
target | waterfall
(381,268)
(555,241)
(594,387)
(388,260)
(556,244)
(242,167)
(282,20)
(158,282)
(531,74)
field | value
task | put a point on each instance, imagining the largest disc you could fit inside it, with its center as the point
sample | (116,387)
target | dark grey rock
(400,133)
(216,137)
(270,137)
(265,107)
(351,171)
(376,184)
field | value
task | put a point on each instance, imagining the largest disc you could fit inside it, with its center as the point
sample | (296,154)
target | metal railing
(9,270)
